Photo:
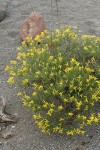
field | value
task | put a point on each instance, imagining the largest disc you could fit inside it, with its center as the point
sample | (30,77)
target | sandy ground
(26,135)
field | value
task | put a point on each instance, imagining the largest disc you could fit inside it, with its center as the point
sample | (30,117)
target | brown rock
(32,26)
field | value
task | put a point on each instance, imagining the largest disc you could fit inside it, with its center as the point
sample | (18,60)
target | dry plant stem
(4,117)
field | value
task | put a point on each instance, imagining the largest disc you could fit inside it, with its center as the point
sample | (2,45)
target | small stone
(3,11)
(32,26)
(78,147)
(7,135)
(1,142)
(12,127)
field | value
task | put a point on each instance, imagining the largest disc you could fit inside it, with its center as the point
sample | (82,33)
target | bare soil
(26,135)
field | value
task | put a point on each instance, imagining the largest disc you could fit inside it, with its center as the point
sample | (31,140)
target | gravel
(26,135)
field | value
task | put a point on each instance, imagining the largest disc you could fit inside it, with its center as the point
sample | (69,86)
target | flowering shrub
(62,70)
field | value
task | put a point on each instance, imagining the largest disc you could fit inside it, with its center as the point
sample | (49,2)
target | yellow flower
(21,55)
(42,34)
(55,92)
(10,80)
(23,43)
(35,85)
(38,73)
(37,38)
(34,93)
(24,63)
(26,104)
(13,62)
(52,105)
(19,48)
(83,117)
(40,87)
(30,54)
(65,100)
(60,107)
(79,116)
(96,120)
(57,128)
(92,104)
(19,94)
(86,107)
(24,69)
(70,132)
(73,60)
(31,102)
(29,40)
(51,74)
(57,31)
(70,114)
(88,121)
(61,93)
(12,73)
(37,116)
(78,131)
(61,83)
(51,58)
(85,36)
(26,97)
(46,104)
(78,105)
(88,69)
(60,59)
(25,81)
(68,69)
(86,48)
(7,68)
(51,110)
(61,119)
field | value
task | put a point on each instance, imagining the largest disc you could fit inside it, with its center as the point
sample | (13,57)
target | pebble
(78,147)
(1,142)
(12,127)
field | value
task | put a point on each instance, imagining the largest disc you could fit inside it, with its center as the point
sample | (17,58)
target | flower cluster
(62,70)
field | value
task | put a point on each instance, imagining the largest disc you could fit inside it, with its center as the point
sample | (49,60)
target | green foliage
(62,69)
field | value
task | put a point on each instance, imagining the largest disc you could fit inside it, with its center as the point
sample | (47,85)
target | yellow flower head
(10,80)
(25,81)
(60,107)
(51,58)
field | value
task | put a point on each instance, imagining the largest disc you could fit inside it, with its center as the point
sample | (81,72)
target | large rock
(3,11)
(32,26)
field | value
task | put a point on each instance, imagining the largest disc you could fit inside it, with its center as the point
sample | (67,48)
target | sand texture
(26,135)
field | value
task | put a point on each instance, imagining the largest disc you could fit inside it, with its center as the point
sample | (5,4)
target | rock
(32,26)
(7,135)
(3,11)
(1,142)
(78,147)
(4,117)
